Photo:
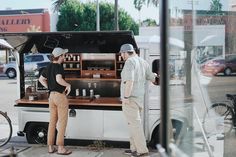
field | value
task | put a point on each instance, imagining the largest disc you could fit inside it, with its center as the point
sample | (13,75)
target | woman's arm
(43,81)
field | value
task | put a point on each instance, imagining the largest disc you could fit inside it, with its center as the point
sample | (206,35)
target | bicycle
(5,128)
(220,117)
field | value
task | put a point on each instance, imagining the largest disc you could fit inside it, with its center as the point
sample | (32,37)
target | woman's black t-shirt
(50,73)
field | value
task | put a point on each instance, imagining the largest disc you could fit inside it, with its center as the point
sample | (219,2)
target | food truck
(92,66)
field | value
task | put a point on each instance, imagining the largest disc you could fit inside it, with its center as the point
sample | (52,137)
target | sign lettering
(5,22)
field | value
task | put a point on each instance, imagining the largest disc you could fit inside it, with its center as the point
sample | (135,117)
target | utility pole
(98,17)
(164,76)
(116,16)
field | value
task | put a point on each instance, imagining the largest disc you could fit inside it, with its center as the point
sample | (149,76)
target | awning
(79,42)
(156,39)
(5,44)
(172,41)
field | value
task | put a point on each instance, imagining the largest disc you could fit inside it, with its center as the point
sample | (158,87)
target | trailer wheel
(36,133)
(177,126)
(11,73)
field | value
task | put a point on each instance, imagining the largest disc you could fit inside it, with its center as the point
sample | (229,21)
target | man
(133,77)
(53,79)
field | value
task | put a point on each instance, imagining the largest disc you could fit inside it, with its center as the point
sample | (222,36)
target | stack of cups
(77,92)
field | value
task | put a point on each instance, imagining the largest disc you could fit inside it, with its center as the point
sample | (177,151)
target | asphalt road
(8,95)
(221,85)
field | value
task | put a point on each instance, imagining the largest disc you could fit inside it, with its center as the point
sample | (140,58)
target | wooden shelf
(98,71)
(99,60)
(71,62)
(93,62)
(120,62)
(100,79)
(72,69)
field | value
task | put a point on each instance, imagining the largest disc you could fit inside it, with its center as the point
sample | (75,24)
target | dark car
(225,65)
(39,68)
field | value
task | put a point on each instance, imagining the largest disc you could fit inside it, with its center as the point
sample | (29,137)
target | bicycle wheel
(218,119)
(5,128)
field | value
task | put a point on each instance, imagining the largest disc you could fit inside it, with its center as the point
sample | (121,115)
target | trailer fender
(179,127)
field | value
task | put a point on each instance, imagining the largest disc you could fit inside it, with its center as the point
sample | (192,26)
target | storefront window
(199,102)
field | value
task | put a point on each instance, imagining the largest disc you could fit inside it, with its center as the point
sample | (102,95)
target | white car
(30,62)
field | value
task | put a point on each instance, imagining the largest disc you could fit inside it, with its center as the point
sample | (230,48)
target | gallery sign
(38,22)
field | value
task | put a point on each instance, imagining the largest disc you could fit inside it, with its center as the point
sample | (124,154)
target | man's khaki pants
(132,113)
(58,106)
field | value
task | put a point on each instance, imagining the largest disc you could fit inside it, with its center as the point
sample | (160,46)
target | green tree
(70,16)
(149,22)
(154,2)
(215,5)
(76,16)
(57,4)
(138,4)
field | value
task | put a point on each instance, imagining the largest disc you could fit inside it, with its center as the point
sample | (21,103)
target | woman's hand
(68,89)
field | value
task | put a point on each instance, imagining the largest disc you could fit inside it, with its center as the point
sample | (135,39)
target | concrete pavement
(23,149)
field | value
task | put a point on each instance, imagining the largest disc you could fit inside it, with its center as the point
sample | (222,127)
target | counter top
(102,101)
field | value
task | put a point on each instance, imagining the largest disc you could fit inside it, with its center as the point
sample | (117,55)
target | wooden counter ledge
(102,101)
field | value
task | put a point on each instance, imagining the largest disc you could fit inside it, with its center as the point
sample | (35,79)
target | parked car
(39,68)
(225,65)
(30,62)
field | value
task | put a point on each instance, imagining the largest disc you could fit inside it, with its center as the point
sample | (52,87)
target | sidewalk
(23,149)
(77,151)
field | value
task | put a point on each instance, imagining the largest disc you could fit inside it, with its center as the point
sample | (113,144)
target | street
(8,90)
(219,86)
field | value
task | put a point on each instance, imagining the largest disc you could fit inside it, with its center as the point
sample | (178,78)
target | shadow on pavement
(229,144)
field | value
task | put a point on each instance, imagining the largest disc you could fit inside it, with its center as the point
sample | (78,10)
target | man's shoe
(135,154)
(129,152)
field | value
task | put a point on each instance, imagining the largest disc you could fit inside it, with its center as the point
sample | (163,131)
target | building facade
(26,20)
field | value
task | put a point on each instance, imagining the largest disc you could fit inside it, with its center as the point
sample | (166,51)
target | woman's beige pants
(58,106)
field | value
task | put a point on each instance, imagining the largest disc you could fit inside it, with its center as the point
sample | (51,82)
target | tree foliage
(154,2)
(76,16)
(149,22)
(138,4)
(215,5)
(57,4)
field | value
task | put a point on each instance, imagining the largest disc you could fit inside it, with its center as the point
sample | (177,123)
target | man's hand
(157,81)
(125,101)
(68,89)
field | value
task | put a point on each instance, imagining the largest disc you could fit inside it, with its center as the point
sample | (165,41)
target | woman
(53,79)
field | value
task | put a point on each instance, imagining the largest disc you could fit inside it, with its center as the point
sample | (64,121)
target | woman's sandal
(66,152)
(53,151)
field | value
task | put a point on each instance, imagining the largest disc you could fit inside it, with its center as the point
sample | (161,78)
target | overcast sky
(146,12)
(127,5)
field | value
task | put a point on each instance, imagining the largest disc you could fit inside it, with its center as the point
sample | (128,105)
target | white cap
(57,51)
(126,48)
